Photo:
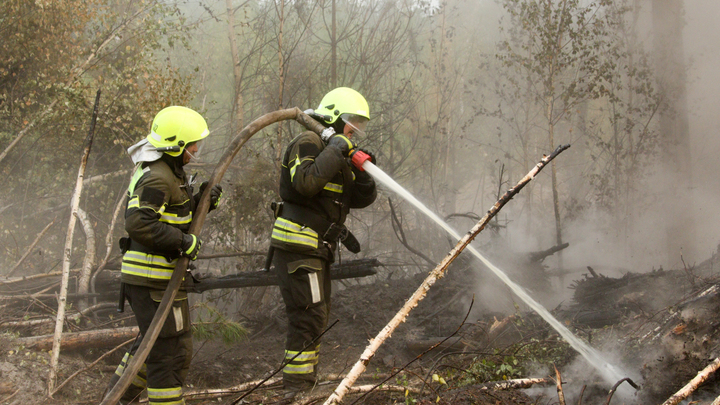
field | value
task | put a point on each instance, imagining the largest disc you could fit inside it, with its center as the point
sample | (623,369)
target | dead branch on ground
(558,385)
(614,388)
(434,275)
(73,317)
(422,354)
(91,365)
(81,340)
(223,392)
(365,389)
(690,387)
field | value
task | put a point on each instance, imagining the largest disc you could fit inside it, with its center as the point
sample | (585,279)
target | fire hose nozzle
(359,158)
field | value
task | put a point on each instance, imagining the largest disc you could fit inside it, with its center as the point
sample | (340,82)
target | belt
(328,231)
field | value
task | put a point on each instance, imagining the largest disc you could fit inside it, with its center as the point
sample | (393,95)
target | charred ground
(660,326)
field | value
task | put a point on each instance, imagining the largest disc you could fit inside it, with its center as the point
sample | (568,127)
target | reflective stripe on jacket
(159,211)
(321,179)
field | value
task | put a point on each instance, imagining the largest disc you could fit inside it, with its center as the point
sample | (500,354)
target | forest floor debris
(660,326)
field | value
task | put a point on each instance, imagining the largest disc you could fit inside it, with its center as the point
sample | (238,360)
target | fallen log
(348,269)
(690,387)
(107,282)
(81,340)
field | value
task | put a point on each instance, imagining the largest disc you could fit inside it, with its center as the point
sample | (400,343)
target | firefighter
(160,206)
(319,185)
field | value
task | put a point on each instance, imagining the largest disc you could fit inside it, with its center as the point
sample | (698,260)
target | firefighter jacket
(318,186)
(159,211)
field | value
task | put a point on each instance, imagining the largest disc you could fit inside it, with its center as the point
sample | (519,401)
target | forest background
(465,97)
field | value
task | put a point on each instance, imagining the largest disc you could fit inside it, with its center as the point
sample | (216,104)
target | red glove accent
(360,157)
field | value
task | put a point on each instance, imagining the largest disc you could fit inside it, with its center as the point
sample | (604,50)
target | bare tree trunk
(333,48)
(551,131)
(74,203)
(281,81)
(422,290)
(669,56)
(237,71)
(89,260)
(31,247)
(108,241)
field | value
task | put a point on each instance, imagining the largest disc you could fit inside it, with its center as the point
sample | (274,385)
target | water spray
(608,372)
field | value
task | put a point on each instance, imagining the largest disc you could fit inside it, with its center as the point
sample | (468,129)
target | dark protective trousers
(305,288)
(167,365)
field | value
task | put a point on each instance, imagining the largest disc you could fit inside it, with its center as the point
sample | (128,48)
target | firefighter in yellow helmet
(160,206)
(321,179)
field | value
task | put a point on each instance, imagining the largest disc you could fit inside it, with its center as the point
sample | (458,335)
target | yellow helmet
(342,100)
(175,127)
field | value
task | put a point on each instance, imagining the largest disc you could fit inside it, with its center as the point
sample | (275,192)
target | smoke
(702,50)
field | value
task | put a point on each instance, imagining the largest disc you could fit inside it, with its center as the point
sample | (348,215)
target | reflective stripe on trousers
(304,363)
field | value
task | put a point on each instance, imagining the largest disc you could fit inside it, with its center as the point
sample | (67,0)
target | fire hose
(148,340)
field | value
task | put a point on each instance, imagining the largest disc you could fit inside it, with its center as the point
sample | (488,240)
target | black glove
(215,195)
(372,157)
(346,146)
(190,246)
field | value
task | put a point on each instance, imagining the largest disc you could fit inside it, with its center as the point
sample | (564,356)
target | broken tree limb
(202,394)
(91,365)
(558,385)
(541,255)
(400,234)
(434,275)
(74,317)
(431,348)
(67,253)
(31,247)
(690,387)
(176,279)
(512,384)
(614,388)
(81,340)
(308,400)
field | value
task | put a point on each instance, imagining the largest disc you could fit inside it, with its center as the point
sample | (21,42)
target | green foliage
(59,53)
(212,324)
(485,369)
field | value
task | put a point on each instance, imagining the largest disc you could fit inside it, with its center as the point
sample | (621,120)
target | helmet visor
(357,122)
